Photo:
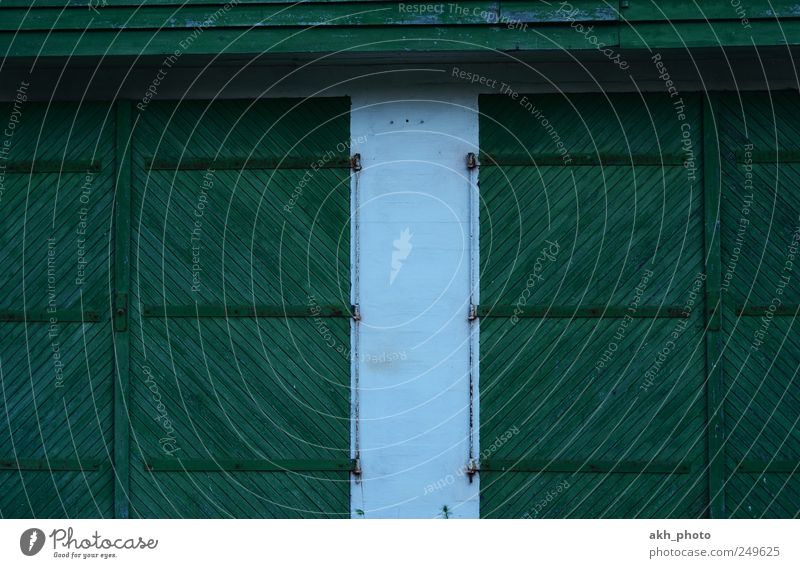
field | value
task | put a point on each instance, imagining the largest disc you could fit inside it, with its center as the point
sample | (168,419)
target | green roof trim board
(123,27)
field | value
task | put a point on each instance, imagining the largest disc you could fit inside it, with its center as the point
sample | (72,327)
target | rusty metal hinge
(472,470)
(357,467)
(355,162)
(356,312)
(472,161)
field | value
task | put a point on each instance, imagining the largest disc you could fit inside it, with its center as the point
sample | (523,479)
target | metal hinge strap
(355,162)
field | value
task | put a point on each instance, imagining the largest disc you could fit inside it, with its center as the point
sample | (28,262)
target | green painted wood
(596,159)
(769,157)
(759,220)
(255,26)
(791,467)
(556,12)
(761,410)
(230,464)
(760,311)
(171,15)
(254,242)
(22,464)
(44,166)
(85,4)
(276,40)
(597,311)
(45,316)
(135,386)
(237,164)
(206,311)
(622,239)
(728,391)
(695,34)
(122,275)
(564,466)
(680,10)
(109,12)
(253,15)
(712,189)
(56,360)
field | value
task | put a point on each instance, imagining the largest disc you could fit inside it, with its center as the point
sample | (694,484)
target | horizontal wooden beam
(768,157)
(125,27)
(577,466)
(45,316)
(778,466)
(265,41)
(589,311)
(48,15)
(52,166)
(597,159)
(136,3)
(245,311)
(756,310)
(714,33)
(29,464)
(474,11)
(211,163)
(233,464)
(683,10)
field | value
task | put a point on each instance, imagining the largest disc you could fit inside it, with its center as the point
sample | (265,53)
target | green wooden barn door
(239,302)
(56,354)
(761,293)
(175,310)
(592,359)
